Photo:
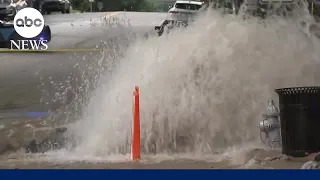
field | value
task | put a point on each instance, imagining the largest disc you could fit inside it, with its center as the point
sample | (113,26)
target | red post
(135,146)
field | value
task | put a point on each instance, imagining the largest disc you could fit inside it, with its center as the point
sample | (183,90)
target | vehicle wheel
(48,12)
(46,32)
(63,11)
(68,10)
(160,30)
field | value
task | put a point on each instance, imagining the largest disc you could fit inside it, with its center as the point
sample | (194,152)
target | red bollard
(135,145)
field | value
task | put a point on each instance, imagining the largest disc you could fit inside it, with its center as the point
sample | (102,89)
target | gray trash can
(300,120)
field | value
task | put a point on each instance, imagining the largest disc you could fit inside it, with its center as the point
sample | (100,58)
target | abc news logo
(29,24)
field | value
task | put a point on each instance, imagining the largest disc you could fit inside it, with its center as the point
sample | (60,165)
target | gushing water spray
(202,88)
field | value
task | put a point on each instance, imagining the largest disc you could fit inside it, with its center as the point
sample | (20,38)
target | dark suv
(49,6)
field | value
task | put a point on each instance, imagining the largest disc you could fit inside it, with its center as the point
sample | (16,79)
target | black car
(49,6)
(7,12)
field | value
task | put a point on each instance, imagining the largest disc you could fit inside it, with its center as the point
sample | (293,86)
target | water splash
(202,89)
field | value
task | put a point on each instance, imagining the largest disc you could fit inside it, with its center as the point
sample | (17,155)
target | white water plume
(202,88)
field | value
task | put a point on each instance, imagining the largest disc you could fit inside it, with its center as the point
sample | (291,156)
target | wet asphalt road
(21,74)
(60,81)
(30,81)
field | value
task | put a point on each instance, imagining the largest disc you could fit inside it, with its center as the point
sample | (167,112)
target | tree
(81,5)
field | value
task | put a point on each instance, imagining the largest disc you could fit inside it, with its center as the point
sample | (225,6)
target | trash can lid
(298,90)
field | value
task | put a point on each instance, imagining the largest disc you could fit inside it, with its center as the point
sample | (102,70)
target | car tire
(47,31)
(160,31)
(68,10)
